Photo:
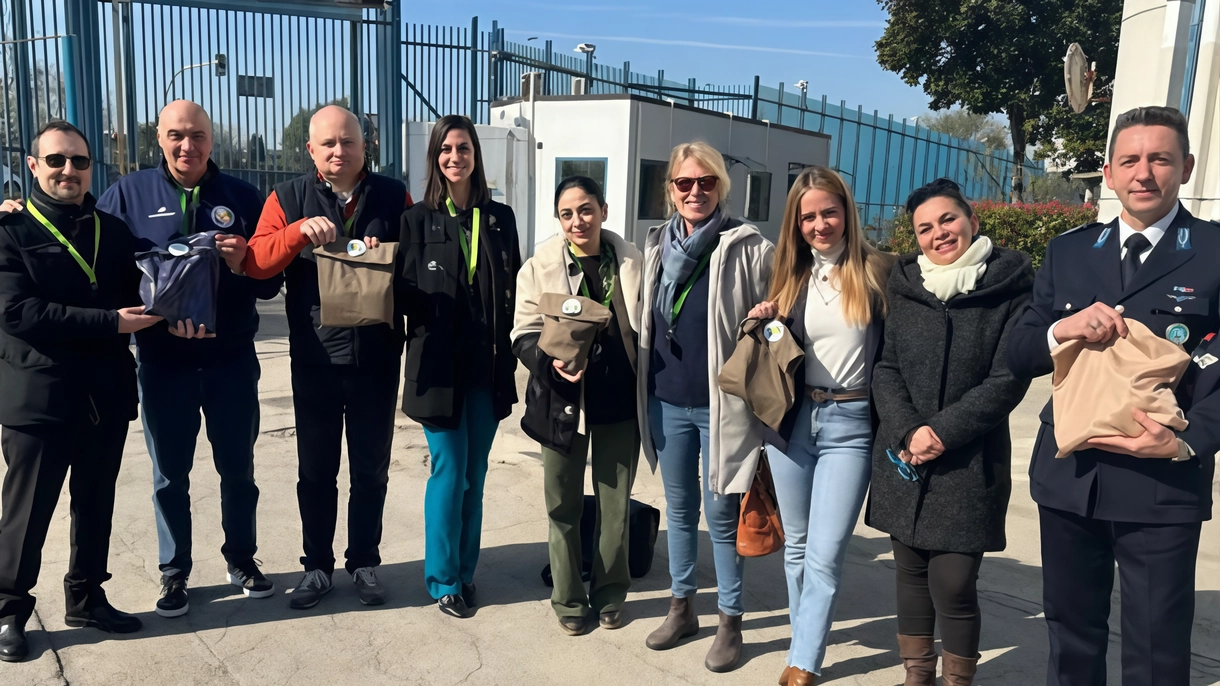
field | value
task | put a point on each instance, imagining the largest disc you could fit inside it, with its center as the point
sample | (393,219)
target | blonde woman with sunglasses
(703,270)
(828,288)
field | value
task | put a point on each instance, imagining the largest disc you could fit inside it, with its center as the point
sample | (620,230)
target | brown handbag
(759,531)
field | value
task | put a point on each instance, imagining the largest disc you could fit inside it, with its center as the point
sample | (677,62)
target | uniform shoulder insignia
(1083,227)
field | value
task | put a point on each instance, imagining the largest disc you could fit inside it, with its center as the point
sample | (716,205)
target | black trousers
(1156,567)
(327,400)
(939,587)
(38,459)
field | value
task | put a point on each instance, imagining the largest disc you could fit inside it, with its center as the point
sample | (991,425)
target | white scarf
(947,280)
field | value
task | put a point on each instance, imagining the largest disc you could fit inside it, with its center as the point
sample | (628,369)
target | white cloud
(685,43)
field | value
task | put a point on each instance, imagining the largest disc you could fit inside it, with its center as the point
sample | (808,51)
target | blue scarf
(680,255)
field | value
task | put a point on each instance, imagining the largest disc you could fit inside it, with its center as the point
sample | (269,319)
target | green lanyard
(97,241)
(347,225)
(690,284)
(469,251)
(605,270)
(186,219)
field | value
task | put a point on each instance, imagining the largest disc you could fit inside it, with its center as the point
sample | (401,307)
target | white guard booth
(624,141)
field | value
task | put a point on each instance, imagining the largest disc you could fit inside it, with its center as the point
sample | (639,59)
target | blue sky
(830,44)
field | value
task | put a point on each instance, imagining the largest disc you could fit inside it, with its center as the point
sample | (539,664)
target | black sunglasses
(57,161)
(707,184)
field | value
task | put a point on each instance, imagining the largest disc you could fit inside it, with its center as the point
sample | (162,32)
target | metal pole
(494,62)
(754,100)
(71,85)
(357,106)
(120,87)
(627,77)
(691,85)
(546,73)
(804,104)
(474,69)
(389,91)
(779,107)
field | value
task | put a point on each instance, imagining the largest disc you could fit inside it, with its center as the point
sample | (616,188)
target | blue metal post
(71,96)
(474,69)
(26,122)
(389,89)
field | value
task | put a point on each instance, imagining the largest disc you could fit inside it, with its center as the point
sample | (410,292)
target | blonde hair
(709,158)
(862,271)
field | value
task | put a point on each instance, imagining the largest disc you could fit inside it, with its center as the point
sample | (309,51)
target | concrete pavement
(514,638)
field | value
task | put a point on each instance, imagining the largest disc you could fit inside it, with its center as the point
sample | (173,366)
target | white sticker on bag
(571,306)
(356,248)
(773,331)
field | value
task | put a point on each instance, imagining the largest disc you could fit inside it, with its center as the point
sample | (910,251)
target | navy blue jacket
(150,203)
(1177,284)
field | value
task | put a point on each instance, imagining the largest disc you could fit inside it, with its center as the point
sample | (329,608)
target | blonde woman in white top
(828,286)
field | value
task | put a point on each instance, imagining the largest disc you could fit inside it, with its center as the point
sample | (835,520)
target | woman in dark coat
(943,392)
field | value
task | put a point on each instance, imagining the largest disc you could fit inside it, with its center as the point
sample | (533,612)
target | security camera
(586,47)
(802,84)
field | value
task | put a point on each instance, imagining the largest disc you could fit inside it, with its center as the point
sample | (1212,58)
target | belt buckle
(819,395)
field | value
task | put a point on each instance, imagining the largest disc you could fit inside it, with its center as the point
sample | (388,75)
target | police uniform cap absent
(570,323)
(1096,385)
(762,370)
(356,283)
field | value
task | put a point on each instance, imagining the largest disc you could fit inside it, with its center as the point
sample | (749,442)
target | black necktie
(1136,244)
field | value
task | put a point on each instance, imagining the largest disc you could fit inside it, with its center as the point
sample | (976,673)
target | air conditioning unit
(531,85)
(580,85)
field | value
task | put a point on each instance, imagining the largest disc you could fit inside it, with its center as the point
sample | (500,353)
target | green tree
(999,56)
(967,125)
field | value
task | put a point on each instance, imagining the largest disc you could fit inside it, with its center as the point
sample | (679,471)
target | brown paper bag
(762,368)
(570,324)
(356,290)
(1096,385)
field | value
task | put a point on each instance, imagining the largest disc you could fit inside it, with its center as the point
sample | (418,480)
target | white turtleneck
(834,349)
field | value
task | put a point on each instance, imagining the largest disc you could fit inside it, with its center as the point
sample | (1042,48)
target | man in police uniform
(67,382)
(1138,501)
(185,369)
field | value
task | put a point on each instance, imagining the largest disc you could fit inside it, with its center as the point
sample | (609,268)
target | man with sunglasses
(184,369)
(67,382)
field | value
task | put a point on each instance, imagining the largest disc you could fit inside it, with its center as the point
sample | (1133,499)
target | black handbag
(643,523)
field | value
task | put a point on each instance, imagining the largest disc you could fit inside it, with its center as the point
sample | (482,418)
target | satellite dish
(1078,77)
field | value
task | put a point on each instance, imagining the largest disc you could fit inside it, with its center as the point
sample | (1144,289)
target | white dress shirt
(1153,233)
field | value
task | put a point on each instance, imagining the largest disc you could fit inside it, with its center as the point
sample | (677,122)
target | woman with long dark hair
(589,413)
(828,288)
(941,463)
(460,259)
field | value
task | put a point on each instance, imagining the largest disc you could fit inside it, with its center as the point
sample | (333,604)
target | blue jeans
(453,499)
(681,435)
(171,396)
(821,479)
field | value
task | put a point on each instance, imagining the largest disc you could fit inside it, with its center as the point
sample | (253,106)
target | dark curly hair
(940,188)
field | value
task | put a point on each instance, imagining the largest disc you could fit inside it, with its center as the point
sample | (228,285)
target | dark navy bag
(180,281)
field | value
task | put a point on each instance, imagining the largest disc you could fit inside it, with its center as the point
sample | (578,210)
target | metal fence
(147,52)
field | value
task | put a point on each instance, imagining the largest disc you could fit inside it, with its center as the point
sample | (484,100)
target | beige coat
(740,273)
(552,269)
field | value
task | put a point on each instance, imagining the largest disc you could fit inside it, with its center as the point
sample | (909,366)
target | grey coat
(944,365)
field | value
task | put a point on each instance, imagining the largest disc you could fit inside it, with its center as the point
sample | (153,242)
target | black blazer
(432,293)
(61,356)
(1178,283)
(874,338)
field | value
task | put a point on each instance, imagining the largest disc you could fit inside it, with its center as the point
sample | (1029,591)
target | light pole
(588,49)
(803,85)
(221,62)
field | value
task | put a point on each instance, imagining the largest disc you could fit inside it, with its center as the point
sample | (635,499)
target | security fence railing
(260,74)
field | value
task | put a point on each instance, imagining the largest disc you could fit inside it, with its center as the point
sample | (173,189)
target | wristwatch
(1185,452)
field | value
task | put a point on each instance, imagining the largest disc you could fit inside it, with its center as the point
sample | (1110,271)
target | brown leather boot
(785,675)
(958,671)
(680,623)
(800,677)
(726,649)
(919,659)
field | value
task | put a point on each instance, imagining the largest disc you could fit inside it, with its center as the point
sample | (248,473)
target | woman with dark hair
(572,413)
(460,260)
(943,392)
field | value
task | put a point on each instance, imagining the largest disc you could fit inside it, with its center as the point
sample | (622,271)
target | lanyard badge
(470,251)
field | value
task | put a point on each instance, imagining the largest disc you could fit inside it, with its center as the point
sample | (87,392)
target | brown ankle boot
(680,623)
(726,649)
(919,659)
(802,678)
(958,671)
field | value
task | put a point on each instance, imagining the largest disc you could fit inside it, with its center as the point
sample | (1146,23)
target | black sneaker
(468,595)
(311,589)
(454,606)
(174,601)
(370,592)
(251,581)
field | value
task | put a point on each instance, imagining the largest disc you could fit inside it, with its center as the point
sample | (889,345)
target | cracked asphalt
(514,637)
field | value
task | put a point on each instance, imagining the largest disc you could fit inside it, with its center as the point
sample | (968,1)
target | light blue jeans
(821,479)
(681,435)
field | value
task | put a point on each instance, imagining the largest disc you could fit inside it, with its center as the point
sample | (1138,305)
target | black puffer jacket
(944,365)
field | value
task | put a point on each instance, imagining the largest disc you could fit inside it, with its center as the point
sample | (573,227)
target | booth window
(592,167)
(652,189)
(758,196)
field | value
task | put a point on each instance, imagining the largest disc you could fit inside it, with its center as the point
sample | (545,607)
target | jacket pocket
(1069,303)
